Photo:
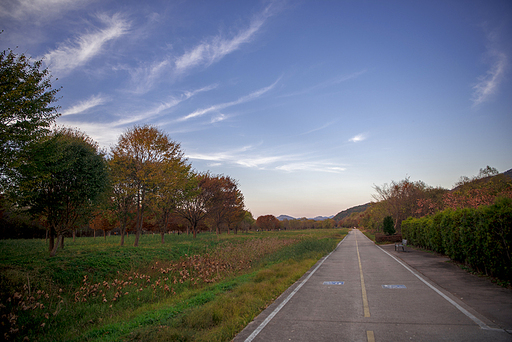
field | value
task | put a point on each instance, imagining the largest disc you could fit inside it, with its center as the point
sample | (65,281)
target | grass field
(203,289)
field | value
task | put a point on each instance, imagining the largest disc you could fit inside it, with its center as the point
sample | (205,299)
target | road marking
(334,282)
(394,286)
(370,336)
(283,303)
(363,288)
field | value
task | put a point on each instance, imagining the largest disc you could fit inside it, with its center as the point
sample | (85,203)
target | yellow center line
(363,288)
(370,336)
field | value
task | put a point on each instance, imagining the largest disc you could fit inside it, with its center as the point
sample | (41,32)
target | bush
(481,238)
(388,225)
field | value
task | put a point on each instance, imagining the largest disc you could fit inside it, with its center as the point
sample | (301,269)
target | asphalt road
(362,292)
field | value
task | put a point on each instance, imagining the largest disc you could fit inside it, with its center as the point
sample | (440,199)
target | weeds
(93,286)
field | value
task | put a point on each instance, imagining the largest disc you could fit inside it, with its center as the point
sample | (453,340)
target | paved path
(362,292)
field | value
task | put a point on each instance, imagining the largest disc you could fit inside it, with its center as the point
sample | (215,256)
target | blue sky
(307,104)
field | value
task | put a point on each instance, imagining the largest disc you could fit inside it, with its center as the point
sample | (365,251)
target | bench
(398,245)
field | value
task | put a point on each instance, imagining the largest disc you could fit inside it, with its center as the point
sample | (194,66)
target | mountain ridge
(316,218)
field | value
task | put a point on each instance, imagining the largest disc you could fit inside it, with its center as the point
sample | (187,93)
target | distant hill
(508,173)
(318,218)
(285,217)
(357,209)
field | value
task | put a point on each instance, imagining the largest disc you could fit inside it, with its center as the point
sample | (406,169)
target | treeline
(60,180)
(406,198)
(270,222)
(478,237)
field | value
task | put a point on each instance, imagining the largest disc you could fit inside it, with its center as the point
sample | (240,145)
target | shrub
(481,238)
(388,225)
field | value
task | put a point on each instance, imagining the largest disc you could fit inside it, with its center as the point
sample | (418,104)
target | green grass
(185,289)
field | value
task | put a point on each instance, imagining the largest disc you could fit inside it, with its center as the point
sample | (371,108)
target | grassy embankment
(204,289)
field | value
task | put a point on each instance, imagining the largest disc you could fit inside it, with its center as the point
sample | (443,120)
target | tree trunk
(51,244)
(162,234)
(74,235)
(137,235)
(61,241)
(122,236)
(56,245)
(105,235)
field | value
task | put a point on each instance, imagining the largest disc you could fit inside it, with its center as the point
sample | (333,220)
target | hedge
(481,238)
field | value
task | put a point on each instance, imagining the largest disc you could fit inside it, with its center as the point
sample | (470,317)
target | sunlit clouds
(83,106)
(77,52)
(212,49)
(358,138)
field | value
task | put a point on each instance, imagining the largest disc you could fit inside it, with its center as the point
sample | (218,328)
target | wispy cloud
(311,166)
(162,107)
(488,84)
(220,106)
(249,158)
(82,106)
(329,83)
(37,9)
(358,138)
(319,128)
(213,49)
(73,54)
(145,76)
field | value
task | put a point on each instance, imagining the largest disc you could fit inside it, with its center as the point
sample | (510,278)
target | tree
(401,198)
(173,179)
(137,159)
(62,181)
(26,112)
(195,201)
(247,220)
(388,226)
(226,201)
(103,220)
(267,222)
(482,189)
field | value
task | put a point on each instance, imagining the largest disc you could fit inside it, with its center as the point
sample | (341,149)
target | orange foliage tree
(268,222)
(138,159)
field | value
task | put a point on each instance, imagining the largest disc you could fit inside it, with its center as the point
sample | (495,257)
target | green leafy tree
(388,225)
(63,181)
(26,110)
(173,179)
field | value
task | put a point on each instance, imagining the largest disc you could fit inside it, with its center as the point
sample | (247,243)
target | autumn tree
(267,222)
(174,179)
(226,201)
(26,110)
(62,181)
(400,198)
(137,159)
(195,200)
(104,220)
(482,189)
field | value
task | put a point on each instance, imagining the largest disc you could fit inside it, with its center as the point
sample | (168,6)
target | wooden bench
(398,245)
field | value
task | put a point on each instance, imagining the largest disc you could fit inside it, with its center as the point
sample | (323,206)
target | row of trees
(406,198)
(65,181)
(270,222)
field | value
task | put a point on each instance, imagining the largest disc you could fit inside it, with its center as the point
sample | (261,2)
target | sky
(307,104)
